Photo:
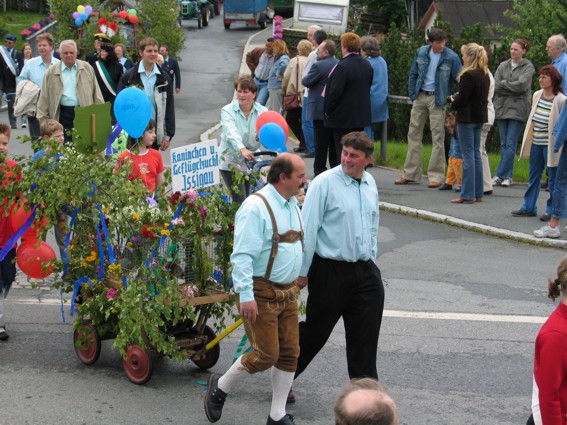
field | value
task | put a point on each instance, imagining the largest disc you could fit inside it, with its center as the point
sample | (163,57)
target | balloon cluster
(278,27)
(272,130)
(82,14)
(32,256)
(129,15)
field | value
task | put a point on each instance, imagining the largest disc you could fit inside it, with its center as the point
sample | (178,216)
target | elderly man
(316,36)
(365,402)
(433,72)
(260,61)
(171,66)
(341,234)
(11,64)
(35,69)
(65,86)
(556,47)
(316,80)
(265,268)
(158,87)
(347,95)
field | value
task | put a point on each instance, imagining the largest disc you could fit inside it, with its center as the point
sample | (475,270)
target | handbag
(292,101)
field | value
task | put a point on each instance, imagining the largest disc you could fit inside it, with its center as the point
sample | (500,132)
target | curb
(475,227)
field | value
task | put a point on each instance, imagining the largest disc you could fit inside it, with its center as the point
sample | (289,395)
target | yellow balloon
(80,8)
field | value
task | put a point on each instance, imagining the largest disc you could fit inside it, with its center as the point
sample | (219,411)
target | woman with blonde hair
(471,104)
(291,85)
(281,60)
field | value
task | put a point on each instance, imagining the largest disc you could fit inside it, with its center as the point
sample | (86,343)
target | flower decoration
(37,26)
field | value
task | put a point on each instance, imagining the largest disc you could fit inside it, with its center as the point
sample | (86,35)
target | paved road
(462,312)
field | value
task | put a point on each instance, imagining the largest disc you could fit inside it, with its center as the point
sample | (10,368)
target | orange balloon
(31,258)
(276,118)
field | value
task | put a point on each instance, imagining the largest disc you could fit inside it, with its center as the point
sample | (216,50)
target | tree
(159,20)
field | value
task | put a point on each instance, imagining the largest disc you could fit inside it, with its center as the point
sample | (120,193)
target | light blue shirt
(238,132)
(341,218)
(560,63)
(429,82)
(253,233)
(69,79)
(149,82)
(35,69)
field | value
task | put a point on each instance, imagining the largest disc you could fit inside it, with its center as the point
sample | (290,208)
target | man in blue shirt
(433,72)
(35,69)
(556,47)
(267,257)
(341,230)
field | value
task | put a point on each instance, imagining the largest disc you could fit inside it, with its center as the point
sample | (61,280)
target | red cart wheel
(210,357)
(87,343)
(138,364)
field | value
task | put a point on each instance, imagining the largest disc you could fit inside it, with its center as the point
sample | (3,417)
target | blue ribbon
(67,243)
(106,236)
(113,135)
(17,235)
(76,288)
(101,253)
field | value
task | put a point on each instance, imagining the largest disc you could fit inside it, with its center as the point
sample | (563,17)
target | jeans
(538,160)
(469,140)
(308,128)
(559,206)
(509,133)
(262,96)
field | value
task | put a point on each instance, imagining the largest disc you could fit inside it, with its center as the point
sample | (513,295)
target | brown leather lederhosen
(275,302)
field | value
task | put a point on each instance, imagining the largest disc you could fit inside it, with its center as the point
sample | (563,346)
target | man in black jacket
(347,95)
(172,67)
(158,87)
(11,64)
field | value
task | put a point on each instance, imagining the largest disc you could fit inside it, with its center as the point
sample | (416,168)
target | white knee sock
(281,384)
(226,382)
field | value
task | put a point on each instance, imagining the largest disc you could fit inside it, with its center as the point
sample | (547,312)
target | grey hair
(560,42)
(370,45)
(66,42)
(313,28)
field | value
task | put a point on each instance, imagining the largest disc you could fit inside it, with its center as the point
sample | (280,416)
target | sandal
(462,201)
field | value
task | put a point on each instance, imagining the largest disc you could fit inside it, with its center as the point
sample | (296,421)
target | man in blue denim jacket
(432,74)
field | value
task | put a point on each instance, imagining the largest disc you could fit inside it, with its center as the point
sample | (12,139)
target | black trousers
(293,119)
(338,134)
(353,291)
(66,118)
(324,146)
(33,127)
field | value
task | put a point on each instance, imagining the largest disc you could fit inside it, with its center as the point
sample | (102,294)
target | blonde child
(8,170)
(147,164)
(454,177)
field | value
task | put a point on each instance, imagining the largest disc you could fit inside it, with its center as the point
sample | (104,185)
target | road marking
(464,316)
(471,317)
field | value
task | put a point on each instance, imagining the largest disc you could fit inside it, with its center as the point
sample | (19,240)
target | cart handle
(223,334)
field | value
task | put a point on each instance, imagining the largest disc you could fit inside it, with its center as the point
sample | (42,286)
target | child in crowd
(147,164)
(300,197)
(53,130)
(9,173)
(454,177)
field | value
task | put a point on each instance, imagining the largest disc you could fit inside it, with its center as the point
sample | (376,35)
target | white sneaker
(547,232)
(506,183)
(496,181)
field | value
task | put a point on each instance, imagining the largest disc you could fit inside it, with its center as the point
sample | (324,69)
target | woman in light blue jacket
(281,62)
(370,49)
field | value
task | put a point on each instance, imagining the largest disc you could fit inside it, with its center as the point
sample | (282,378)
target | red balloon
(123,14)
(133,19)
(19,215)
(272,116)
(31,259)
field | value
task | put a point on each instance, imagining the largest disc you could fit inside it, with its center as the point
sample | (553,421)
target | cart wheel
(138,364)
(89,350)
(227,26)
(210,357)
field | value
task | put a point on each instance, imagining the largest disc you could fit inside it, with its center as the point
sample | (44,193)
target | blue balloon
(272,136)
(84,16)
(133,110)
(78,22)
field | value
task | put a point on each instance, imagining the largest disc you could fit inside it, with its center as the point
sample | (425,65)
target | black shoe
(299,150)
(309,155)
(3,334)
(545,217)
(446,186)
(488,192)
(14,127)
(214,399)
(286,420)
(521,213)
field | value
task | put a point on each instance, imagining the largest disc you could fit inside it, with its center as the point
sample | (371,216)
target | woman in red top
(550,364)
(147,164)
